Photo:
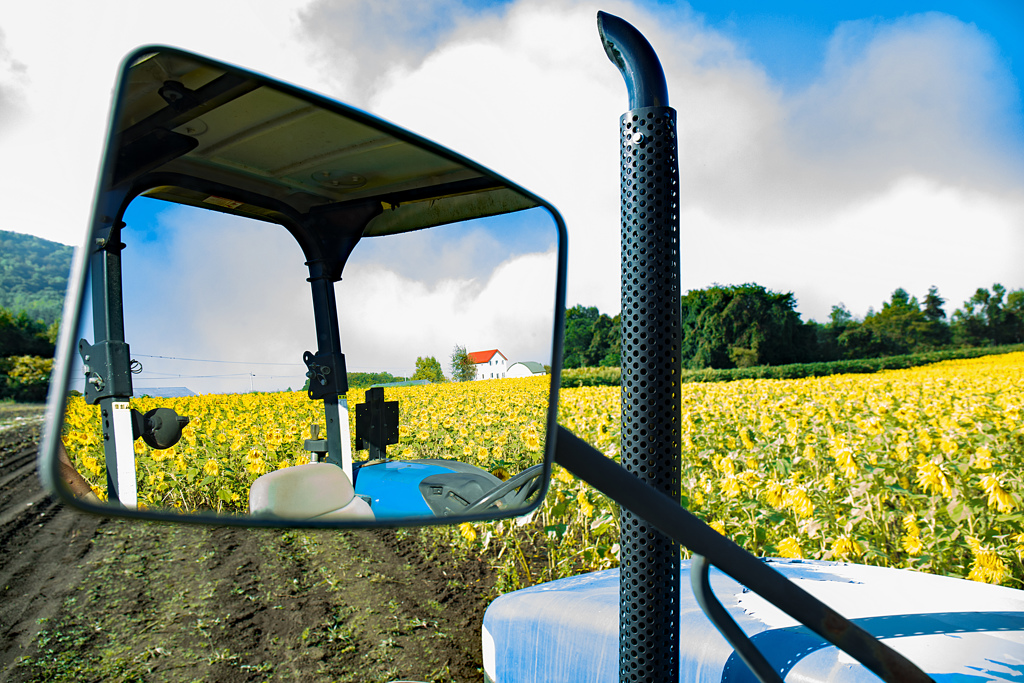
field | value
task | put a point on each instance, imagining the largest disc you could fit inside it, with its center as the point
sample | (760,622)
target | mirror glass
(324,318)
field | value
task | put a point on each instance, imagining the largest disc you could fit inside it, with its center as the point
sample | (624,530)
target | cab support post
(107,362)
(649,560)
(327,375)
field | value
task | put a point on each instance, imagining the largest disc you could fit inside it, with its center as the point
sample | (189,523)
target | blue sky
(790,38)
(836,150)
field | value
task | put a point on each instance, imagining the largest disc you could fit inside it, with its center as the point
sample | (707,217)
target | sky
(834,150)
(236,315)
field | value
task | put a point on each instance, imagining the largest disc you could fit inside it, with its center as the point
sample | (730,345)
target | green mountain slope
(33,275)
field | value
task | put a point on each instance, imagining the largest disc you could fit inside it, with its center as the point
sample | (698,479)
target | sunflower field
(232,439)
(919,468)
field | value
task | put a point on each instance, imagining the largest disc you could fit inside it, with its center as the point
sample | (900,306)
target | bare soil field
(85,598)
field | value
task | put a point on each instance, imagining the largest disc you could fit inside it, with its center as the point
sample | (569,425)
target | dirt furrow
(89,598)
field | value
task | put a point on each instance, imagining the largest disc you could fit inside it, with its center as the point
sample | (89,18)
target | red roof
(478,357)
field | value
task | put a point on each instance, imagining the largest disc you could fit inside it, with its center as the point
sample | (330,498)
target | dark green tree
(463,370)
(900,327)
(579,333)
(990,318)
(933,305)
(22,336)
(730,326)
(821,341)
(602,334)
(613,351)
(429,369)
(938,332)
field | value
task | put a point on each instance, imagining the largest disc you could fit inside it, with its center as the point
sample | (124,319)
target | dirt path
(91,599)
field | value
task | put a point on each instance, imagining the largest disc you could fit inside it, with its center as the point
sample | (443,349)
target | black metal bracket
(376,424)
(326,373)
(106,367)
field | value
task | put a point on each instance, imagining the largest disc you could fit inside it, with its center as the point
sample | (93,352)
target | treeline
(33,275)
(26,355)
(365,380)
(611,377)
(747,326)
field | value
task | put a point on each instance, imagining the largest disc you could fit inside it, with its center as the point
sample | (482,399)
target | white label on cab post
(346,437)
(124,441)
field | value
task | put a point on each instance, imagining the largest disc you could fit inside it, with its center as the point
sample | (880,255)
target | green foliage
(25,378)
(901,327)
(429,369)
(603,377)
(592,338)
(365,380)
(995,317)
(26,356)
(463,370)
(739,326)
(20,335)
(579,331)
(842,367)
(743,328)
(33,275)
(591,377)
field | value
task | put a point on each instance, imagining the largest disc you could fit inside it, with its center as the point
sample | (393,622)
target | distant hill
(33,275)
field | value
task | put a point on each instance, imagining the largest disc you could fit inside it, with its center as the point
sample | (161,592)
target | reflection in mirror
(206,378)
(217,315)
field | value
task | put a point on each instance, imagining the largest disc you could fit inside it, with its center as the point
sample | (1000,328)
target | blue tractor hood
(955,630)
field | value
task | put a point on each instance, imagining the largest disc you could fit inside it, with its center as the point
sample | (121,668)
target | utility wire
(204,360)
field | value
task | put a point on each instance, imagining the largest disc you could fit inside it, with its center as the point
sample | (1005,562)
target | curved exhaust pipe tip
(636,60)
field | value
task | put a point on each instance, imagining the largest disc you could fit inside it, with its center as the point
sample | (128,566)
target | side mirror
(258,263)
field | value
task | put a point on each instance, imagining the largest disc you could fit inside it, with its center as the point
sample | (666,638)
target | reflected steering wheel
(528,482)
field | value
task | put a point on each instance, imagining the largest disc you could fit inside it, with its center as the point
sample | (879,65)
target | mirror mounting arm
(325,318)
(107,360)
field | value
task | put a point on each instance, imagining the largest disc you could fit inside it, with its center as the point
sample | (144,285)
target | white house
(525,368)
(490,364)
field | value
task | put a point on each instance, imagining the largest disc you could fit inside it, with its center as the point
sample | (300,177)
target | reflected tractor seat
(317,491)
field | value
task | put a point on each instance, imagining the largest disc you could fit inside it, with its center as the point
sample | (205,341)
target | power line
(238,363)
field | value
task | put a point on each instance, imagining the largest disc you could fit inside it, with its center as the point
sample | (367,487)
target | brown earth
(88,598)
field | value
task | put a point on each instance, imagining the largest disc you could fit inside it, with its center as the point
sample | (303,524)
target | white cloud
(13,82)
(70,58)
(922,95)
(388,320)
(912,131)
(357,43)
(916,234)
(911,128)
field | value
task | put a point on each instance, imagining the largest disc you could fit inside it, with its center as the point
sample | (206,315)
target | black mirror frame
(47,460)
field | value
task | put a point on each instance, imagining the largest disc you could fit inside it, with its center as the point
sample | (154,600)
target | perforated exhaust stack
(649,561)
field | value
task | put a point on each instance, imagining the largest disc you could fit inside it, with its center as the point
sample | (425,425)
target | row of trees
(462,368)
(748,325)
(26,355)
